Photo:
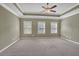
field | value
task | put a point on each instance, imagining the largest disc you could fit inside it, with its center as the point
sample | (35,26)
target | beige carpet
(48,46)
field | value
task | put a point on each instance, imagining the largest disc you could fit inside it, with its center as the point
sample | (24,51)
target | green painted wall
(34,30)
(70,27)
(9,28)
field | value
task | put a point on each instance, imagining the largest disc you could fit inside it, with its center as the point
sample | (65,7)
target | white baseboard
(8,46)
(72,41)
(69,40)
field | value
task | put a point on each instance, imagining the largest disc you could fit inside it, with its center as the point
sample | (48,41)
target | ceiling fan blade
(53,6)
(43,7)
(52,10)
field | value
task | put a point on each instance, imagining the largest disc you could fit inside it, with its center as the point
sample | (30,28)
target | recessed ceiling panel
(37,7)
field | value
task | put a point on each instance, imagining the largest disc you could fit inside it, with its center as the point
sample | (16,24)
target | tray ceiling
(36,8)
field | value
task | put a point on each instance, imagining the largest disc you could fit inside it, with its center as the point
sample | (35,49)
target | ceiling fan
(48,8)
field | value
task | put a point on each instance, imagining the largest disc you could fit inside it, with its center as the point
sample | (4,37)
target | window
(41,27)
(27,27)
(53,27)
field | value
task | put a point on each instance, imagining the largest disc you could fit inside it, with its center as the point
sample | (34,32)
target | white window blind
(53,27)
(41,27)
(27,27)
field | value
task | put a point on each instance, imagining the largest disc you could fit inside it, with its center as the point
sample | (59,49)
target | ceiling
(36,8)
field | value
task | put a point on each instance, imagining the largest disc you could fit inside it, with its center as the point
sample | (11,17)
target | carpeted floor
(42,46)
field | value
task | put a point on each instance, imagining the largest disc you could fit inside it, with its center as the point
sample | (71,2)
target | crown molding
(71,13)
(70,9)
(18,13)
(39,17)
(18,7)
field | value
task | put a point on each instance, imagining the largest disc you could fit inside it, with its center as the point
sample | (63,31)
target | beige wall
(70,27)
(34,30)
(9,28)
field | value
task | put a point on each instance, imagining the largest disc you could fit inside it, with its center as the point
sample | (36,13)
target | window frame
(42,27)
(56,27)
